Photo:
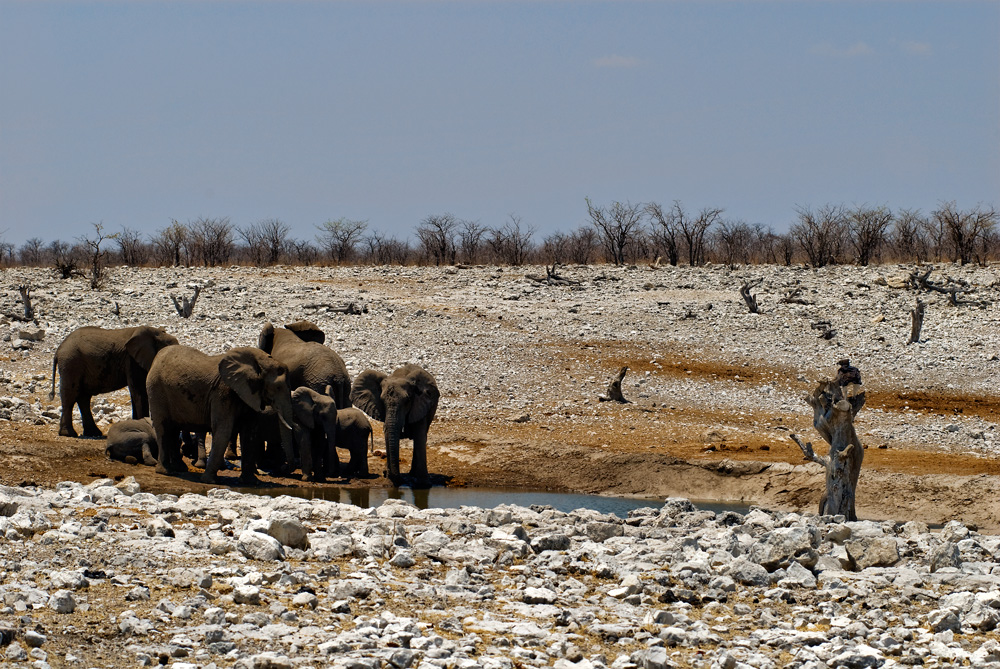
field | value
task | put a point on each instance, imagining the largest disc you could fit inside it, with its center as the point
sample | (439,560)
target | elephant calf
(133,441)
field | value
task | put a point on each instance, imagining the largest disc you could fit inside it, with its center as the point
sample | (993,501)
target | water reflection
(452,498)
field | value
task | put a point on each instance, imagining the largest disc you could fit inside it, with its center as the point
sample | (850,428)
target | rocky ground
(715,393)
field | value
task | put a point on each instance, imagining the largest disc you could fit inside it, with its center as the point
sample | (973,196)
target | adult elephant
(299,346)
(92,361)
(224,394)
(405,401)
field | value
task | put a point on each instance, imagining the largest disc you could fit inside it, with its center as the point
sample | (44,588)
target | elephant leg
(327,446)
(148,457)
(304,444)
(90,428)
(250,446)
(418,467)
(67,397)
(168,441)
(221,434)
(202,460)
(359,456)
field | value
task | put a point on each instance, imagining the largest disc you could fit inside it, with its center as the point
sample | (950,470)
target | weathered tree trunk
(916,321)
(614,393)
(29,311)
(751,300)
(834,409)
(187,308)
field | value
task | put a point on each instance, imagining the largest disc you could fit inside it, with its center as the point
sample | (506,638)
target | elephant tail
(52,393)
(371,438)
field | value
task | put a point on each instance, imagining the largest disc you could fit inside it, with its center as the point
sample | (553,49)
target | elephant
(136,439)
(224,394)
(405,401)
(92,360)
(354,432)
(315,432)
(300,347)
(133,439)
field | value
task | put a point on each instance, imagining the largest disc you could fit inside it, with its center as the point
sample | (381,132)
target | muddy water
(452,498)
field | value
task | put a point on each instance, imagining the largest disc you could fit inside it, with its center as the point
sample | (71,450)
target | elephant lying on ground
(299,346)
(92,361)
(134,441)
(223,394)
(405,401)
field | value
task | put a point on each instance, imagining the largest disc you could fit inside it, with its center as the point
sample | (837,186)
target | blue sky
(136,113)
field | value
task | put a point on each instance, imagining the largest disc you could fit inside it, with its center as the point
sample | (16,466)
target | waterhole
(487,498)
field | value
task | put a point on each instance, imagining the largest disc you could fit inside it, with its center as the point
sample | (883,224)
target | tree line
(621,233)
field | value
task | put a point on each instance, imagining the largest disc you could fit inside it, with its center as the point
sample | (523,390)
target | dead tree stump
(614,392)
(187,308)
(916,322)
(751,300)
(834,409)
(29,310)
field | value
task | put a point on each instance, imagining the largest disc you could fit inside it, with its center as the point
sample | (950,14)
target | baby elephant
(353,433)
(132,441)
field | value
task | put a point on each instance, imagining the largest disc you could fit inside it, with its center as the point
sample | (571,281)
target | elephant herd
(287,400)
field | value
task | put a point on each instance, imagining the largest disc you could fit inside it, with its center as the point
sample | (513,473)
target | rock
(62,601)
(33,639)
(940,620)
(288,531)
(539,596)
(783,545)
(873,552)
(246,594)
(944,555)
(259,546)
(748,573)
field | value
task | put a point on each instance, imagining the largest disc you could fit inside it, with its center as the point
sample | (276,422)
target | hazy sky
(136,113)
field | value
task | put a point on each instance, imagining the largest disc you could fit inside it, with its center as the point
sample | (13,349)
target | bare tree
(470,238)
(664,232)
(734,242)
(866,231)
(786,249)
(511,243)
(304,252)
(820,234)
(908,236)
(967,229)
(6,254)
(133,251)
(169,243)
(97,256)
(340,237)
(583,245)
(555,248)
(31,252)
(436,234)
(266,241)
(210,241)
(694,230)
(616,226)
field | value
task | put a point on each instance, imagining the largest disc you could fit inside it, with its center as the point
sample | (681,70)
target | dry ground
(637,449)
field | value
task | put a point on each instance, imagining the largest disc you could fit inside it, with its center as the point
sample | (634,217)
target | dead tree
(185,309)
(794,296)
(834,409)
(29,310)
(552,277)
(614,392)
(951,287)
(751,300)
(916,322)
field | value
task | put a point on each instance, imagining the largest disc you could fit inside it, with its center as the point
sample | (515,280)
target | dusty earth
(663,443)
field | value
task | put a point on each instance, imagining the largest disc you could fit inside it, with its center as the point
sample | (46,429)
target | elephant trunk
(283,409)
(393,428)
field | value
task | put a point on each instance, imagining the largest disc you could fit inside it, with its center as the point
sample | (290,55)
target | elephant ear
(141,347)
(303,405)
(366,393)
(265,341)
(241,372)
(425,397)
(307,331)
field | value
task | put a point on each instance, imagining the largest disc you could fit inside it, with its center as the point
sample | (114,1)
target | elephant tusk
(281,419)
